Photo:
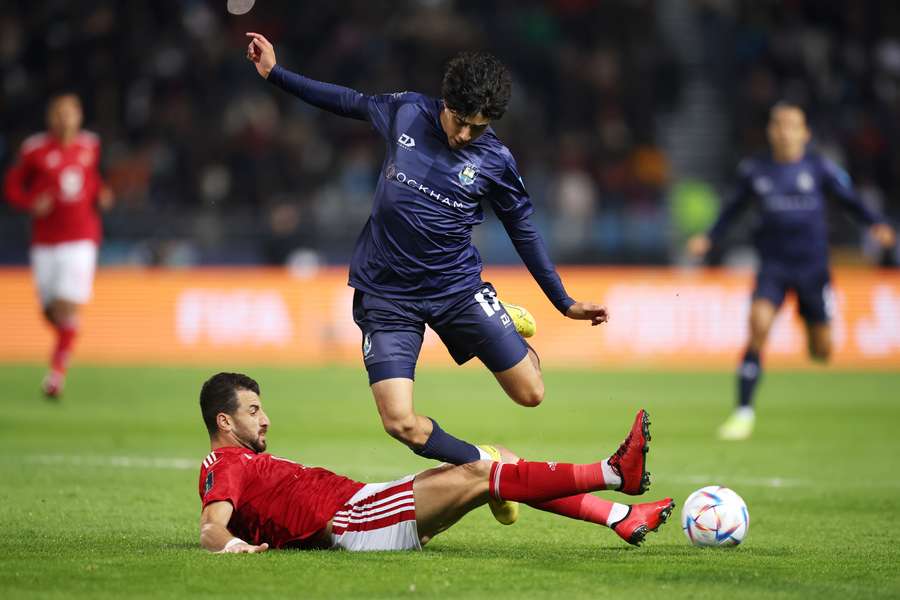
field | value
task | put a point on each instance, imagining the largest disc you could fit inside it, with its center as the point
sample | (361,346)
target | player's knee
(531,395)
(480,469)
(405,430)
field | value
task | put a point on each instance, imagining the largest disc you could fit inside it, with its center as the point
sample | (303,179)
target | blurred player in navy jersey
(57,181)
(788,187)
(414,262)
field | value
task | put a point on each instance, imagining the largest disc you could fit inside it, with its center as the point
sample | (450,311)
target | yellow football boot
(505,512)
(522,319)
(739,426)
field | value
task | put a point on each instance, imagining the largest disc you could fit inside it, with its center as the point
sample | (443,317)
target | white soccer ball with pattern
(715,516)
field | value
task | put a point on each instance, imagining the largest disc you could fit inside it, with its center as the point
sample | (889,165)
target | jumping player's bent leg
(523,382)
(392,338)
(394,400)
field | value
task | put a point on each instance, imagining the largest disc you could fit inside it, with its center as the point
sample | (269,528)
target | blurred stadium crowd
(627,119)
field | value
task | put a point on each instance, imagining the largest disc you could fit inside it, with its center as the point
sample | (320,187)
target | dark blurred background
(628,116)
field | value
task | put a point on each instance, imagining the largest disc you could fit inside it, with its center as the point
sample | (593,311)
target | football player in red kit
(57,180)
(252,501)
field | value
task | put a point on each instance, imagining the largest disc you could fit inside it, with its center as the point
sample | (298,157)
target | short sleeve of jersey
(510,200)
(382,108)
(222,481)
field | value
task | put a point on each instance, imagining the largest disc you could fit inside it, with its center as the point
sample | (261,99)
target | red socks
(542,481)
(65,339)
(584,507)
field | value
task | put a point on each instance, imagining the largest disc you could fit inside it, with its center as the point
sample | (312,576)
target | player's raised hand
(884,234)
(698,246)
(588,311)
(261,53)
(244,549)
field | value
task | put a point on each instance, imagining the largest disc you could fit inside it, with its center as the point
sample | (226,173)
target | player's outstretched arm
(333,98)
(214,534)
(840,184)
(531,249)
(597,314)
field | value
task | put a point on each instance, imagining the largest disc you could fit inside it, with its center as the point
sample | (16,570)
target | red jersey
(275,500)
(70,175)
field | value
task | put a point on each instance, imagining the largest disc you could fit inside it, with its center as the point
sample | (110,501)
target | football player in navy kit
(414,262)
(788,186)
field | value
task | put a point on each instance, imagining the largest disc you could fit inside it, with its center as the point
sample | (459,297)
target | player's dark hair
(219,395)
(786,104)
(60,94)
(476,82)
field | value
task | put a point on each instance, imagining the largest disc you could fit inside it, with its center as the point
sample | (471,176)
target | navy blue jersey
(790,198)
(417,243)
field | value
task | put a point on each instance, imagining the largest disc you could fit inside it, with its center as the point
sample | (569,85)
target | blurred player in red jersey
(57,180)
(252,500)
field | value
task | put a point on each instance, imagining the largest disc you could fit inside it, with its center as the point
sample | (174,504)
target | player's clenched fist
(588,311)
(261,53)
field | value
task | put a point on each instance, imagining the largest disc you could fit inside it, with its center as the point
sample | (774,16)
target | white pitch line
(126,462)
(769,482)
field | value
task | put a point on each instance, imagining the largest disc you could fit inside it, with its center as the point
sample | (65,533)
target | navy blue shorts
(471,323)
(815,300)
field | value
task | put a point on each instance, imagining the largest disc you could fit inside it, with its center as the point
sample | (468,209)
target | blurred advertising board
(660,319)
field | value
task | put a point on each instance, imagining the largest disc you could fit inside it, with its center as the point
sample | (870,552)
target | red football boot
(52,386)
(630,460)
(643,518)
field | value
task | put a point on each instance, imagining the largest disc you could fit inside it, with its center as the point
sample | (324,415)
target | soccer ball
(715,516)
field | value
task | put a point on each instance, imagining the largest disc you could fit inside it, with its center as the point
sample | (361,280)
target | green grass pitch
(98,494)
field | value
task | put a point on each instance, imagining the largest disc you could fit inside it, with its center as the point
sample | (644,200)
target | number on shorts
(487,298)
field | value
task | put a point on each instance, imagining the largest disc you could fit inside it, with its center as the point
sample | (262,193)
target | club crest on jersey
(762,185)
(468,174)
(805,182)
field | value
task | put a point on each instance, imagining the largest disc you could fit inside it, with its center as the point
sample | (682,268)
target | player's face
(64,116)
(249,422)
(788,133)
(462,130)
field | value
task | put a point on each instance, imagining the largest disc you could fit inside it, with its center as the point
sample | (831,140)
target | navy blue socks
(748,377)
(444,447)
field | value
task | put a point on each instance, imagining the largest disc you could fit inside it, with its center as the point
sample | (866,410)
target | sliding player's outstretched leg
(631,522)
(643,518)
(629,462)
